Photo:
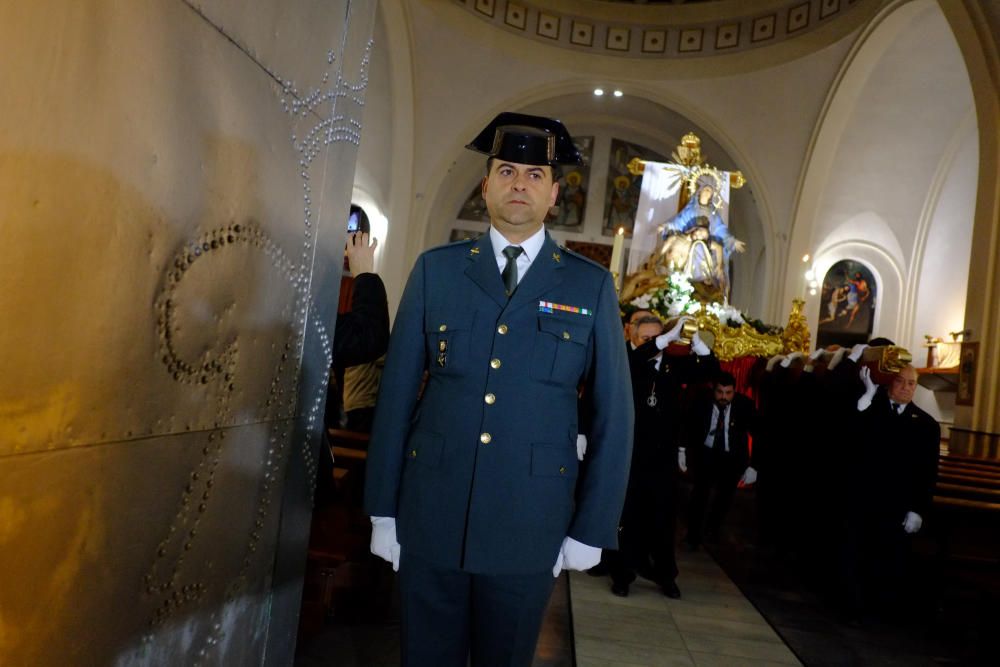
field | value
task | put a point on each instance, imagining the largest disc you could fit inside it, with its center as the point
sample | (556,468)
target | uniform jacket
(481,472)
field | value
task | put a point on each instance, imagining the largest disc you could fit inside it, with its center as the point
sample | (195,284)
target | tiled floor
(712,624)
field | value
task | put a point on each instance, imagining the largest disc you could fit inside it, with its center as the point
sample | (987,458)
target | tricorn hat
(525,139)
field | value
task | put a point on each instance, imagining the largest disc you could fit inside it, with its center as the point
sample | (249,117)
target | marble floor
(712,624)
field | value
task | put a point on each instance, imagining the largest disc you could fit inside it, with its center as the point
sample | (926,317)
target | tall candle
(616,257)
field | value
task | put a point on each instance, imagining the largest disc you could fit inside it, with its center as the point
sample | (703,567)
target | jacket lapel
(484,272)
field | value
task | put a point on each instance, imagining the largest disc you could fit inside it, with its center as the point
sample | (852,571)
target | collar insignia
(474,251)
(556,256)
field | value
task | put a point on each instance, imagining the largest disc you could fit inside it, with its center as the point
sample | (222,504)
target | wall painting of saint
(622,197)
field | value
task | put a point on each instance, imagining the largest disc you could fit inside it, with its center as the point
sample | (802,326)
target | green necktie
(509,274)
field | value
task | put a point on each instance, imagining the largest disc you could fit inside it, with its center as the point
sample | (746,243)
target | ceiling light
(805,257)
(618,93)
(598,91)
(813,291)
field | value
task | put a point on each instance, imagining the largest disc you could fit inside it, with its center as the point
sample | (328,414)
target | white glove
(773,361)
(787,361)
(857,351)
(699,346)
(817,353)
(384,544)
(912,522)
(576,556)
(837,357)
(671,336)
(682,459)
(870,389)
(581,446)
(749,476)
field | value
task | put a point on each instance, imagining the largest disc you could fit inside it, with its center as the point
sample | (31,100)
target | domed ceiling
(674,29)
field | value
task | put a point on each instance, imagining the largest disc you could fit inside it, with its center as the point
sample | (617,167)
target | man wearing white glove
(646,534)
(717,437)
(894,474)
(473,477)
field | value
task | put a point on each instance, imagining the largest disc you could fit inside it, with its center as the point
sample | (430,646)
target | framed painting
(847,305)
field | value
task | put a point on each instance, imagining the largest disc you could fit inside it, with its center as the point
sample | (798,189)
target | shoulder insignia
(474,251)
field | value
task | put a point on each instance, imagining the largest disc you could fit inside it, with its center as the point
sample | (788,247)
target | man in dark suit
(895,453)
(649,518)
(474,487)
(717,437)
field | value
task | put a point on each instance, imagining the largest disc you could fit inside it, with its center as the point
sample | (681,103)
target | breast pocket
(449,342)
(560,352)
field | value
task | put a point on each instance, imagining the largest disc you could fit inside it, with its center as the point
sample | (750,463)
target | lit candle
(617,256)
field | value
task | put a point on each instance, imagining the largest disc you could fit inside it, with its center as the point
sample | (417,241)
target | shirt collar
(531,245)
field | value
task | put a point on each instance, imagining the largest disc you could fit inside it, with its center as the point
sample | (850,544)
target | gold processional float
(687,274)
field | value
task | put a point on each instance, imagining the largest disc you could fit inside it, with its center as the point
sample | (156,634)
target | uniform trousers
(450,616)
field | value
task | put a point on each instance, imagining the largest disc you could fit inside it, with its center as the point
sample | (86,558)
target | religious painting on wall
(623,188)
(567,214)
(966,391)
(463,235)
(847,306)
(598,252)
(474,207)
(574,183)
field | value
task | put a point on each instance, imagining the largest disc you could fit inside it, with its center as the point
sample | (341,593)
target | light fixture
(805,258)
(810,274)
(618,93)
(812,291)
(598,91)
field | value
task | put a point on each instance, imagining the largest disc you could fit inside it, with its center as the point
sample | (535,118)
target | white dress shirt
(531,246)
(710,438)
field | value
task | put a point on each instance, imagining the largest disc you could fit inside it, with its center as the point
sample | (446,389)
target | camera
(357,221)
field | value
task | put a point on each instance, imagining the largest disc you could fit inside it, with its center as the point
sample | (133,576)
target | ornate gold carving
(890,358)
(636,166)
(688,152)
(796,334)
(743,341)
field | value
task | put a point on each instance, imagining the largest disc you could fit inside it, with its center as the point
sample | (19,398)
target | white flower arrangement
(675,298)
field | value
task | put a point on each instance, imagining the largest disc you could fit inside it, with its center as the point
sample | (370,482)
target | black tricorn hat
(524,139)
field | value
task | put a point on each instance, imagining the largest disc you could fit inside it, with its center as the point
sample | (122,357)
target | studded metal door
(174,184)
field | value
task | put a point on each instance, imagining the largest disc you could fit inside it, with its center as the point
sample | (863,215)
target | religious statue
(697,243)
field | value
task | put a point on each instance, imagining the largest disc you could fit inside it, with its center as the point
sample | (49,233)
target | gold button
(443,327)
(565,335)
(485,438)
(413,453)
(494,363)
(562,470)
(490,399)
(502,329)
